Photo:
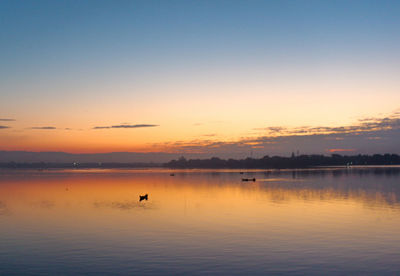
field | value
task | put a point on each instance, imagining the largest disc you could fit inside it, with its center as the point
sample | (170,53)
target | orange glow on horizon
(341,150)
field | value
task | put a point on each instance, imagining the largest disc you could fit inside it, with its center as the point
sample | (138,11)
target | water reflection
(44,204)
(3,209)
(123,205)
(200,222)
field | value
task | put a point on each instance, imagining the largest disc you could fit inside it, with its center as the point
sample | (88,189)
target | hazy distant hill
(63,157)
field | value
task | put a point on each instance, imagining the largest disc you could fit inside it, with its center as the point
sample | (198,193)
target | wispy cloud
(4,127)
(278,139)
(363,125)
(44,127)
(126,126)
(6,120)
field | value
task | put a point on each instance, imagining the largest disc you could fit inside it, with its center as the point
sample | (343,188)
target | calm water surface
(322,221)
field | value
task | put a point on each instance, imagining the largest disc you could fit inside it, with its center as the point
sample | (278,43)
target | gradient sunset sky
(226,78)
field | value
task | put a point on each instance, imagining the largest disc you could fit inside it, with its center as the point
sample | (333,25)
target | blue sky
(54,34)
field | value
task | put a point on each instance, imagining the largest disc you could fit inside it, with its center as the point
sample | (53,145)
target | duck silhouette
(143,197)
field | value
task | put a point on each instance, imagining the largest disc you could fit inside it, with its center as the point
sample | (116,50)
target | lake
(202,222)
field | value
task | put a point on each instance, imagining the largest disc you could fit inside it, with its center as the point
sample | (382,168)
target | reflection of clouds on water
(4,209)
(377,195)
(123,205)
(374,187)
(384,171)
(44,204)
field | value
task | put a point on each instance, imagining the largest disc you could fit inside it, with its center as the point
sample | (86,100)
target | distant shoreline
(279,162)
(267,162)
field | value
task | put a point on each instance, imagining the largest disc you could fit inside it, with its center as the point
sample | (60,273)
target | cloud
(385,133)
(4,127)
(45,127)
(340,150)
(6,120)
(363,125)
(126,126)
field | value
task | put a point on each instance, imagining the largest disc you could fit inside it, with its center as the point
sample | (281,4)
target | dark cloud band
(364,125)
(45,127)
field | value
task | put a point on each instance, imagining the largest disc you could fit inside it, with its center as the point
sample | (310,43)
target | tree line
(279,162)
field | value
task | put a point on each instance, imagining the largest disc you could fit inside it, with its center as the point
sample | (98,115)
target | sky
(223,78)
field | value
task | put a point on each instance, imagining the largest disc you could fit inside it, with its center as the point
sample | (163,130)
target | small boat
(171,174)
(249,179)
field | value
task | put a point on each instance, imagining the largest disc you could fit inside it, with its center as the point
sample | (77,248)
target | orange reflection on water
(94,200)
